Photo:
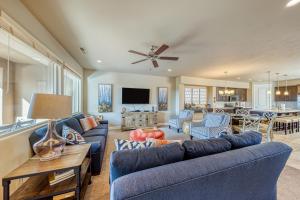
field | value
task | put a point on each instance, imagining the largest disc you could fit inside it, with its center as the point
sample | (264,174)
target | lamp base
(50,147)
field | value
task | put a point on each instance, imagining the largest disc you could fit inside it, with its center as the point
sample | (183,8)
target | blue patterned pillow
(127,144)
(72,136)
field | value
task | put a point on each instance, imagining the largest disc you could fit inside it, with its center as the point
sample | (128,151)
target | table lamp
(51,107)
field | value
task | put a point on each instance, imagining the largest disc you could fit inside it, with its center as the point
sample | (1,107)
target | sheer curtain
(72,87)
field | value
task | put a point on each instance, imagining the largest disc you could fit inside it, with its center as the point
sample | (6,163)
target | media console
(135,120)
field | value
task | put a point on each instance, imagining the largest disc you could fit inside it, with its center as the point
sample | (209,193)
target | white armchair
(184,116)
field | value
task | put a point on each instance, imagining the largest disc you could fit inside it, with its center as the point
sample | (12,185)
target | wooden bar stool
(285,123)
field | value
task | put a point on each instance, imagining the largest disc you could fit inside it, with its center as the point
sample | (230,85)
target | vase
(51,145)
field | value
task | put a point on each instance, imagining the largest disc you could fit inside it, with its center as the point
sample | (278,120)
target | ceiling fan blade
(161,49)
(140,61)
(168,58)
(155,64)
(139,53)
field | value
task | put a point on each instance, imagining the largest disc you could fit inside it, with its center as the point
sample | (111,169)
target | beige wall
(119,80)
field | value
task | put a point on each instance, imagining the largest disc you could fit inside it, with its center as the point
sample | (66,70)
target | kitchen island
(277,111)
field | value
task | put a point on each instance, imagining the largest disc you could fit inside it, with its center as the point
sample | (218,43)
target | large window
(23,71)
(194,96)
(72,87)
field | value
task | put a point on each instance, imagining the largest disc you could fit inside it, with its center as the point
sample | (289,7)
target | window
(72,87)
(194,96)
(23,71)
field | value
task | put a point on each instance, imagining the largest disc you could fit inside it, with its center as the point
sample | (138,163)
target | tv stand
(135,120)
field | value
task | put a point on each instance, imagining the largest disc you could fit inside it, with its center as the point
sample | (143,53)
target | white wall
(120,80)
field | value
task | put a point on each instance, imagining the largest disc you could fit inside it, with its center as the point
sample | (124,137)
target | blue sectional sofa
(236,173)
(96,137)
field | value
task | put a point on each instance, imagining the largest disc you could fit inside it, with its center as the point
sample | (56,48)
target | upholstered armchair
(184,116)
(211,126)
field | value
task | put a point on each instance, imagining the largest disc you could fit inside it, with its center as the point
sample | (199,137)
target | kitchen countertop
(277,111)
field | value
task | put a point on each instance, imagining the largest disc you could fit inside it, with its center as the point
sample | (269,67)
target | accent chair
(184,116)
(211,126)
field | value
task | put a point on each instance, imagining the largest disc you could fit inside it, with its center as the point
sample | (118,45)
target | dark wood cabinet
(240,92)
(293,92)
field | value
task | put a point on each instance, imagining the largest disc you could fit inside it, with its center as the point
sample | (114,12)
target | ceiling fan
(153,55)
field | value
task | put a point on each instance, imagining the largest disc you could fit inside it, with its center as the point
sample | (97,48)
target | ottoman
(140,135)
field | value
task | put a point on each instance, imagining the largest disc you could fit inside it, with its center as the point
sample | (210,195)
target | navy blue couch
(238,174)
(96,137)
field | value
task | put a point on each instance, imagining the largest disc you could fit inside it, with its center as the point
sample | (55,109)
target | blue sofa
(96,137)
(238,174)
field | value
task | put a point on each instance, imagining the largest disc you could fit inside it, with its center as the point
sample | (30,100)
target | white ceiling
(244,37)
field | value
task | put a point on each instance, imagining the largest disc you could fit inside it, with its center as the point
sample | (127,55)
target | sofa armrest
(103,122)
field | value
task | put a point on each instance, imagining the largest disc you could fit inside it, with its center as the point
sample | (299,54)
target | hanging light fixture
(226,91)
(278,90)
(269,83)
(286,92)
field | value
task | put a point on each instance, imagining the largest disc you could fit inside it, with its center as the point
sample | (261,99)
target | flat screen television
(135,96)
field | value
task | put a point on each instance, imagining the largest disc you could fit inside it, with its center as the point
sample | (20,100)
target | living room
(178,86)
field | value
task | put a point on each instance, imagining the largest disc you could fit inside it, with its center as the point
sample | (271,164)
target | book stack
(58,177)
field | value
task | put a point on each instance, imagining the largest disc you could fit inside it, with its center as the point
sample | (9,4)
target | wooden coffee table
(76,157)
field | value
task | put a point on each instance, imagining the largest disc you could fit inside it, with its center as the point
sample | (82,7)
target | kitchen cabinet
(239,92)
(293,93)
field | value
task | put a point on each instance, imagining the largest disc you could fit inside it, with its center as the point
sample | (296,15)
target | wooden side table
(76,157)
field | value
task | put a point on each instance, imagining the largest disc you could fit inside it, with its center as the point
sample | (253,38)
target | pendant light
(269,92)
(286,92)
(278,90)
(226,91)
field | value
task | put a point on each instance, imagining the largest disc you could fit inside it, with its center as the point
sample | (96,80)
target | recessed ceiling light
(238,78)
(292,3)
(169,70)
(99,61)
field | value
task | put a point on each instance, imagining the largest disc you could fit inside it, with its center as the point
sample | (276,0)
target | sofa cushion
(129,161)
(78,116)
(199,148)
(95,132)
(74,124)
(102,126)
(245,139)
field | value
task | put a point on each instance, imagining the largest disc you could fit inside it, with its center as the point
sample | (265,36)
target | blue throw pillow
(245,139)
(133,160)
(199,148)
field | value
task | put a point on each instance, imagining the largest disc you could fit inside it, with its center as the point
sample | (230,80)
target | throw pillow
(200,148)
(158,143)
(72,136)
(127,144)
(88,123)
(245,139)
(129,161)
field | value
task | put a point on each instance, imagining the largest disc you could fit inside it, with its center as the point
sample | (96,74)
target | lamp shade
(49,106)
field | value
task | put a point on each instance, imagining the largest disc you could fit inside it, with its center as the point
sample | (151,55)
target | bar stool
(284,123)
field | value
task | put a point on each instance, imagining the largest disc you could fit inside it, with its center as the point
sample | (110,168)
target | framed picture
(104,98)
(162,99)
